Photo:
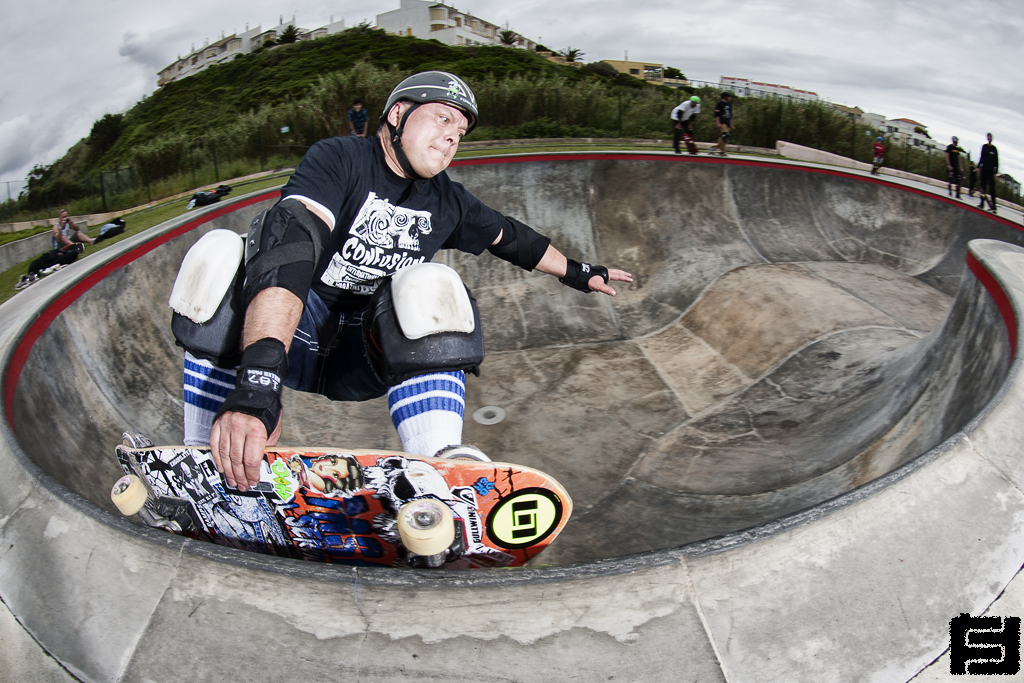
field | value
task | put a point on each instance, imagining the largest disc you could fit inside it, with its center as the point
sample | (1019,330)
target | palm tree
(507,36)
(571,54)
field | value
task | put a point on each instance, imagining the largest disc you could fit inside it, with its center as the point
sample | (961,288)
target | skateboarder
(356,212)
(953,164)
(723,117)
(683,117)
(988,165)
(879,150)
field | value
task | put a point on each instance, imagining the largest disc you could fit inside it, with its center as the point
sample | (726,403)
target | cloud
(16,146)
(938,61)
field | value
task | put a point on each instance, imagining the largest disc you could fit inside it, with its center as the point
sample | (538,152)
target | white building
(228,47)
(908,131)
(428,19)
(874,121)
(744,87)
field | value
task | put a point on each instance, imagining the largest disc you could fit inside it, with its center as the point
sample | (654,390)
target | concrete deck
(792,445)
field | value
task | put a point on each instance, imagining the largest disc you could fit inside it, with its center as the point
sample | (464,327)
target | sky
(951,66)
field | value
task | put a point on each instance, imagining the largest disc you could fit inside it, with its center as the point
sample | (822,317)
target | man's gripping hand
(250,417)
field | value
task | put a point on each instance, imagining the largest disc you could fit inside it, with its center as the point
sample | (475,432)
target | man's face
(431,136)
(357,107)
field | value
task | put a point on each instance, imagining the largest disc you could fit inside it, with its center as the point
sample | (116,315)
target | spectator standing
(683,117)
(357,117)
(879,150)
(988,164)
(723,117)
(953,165)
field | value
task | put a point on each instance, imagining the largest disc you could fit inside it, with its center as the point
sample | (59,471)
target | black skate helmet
(421,88)
(436,86)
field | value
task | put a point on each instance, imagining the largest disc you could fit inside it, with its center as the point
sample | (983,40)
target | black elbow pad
(520,245)
(282,249)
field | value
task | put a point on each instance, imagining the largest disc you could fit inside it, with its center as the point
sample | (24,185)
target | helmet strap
(396,142)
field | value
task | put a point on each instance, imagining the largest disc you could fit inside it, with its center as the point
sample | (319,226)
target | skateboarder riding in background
(683,117)
(879,153)
(329,269)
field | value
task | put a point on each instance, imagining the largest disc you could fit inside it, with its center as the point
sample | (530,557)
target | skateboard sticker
(525,518)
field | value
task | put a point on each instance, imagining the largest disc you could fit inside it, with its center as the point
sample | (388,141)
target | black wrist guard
(259,382)
(577,275)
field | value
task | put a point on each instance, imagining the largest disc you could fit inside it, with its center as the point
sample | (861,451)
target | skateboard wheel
(426,526)
(129,494)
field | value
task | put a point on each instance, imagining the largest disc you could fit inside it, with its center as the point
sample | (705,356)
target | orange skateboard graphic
(344,506)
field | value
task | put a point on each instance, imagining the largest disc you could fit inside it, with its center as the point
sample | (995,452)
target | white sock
(206,387)
(428,410)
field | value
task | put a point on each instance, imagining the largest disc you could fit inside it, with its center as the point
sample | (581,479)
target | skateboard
(353,507)
(691,146)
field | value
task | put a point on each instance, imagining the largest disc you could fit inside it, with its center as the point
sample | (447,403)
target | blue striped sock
(427,411)
(206,387)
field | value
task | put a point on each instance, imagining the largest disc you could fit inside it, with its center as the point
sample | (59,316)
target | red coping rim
(998,295)
(50,313)
(57,306)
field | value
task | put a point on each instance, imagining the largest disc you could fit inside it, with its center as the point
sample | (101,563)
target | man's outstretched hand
(598,284)
(237,441)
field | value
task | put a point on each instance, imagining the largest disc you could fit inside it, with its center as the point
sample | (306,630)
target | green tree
(289,35)
(105,133)
(672,72)
(507,37)
(603,68)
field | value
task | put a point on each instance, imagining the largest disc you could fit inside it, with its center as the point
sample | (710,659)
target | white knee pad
(206,275)
(424,320)
(207,299)
(430,298)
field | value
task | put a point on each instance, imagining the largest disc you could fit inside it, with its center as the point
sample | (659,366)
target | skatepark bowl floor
(793,334)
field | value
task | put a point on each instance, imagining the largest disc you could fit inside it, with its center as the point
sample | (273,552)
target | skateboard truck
(131,496)
(430,536)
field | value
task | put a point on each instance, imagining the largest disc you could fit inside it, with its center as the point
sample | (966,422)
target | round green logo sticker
(525,518)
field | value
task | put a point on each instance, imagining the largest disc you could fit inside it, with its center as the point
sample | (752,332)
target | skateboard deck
(342,506)
(691,146)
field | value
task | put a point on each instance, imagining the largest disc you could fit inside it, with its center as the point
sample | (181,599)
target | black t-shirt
(382,222)
(989,161)
(953,153)
(723,112)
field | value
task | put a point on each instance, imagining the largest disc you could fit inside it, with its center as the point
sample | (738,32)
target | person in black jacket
(988,164)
